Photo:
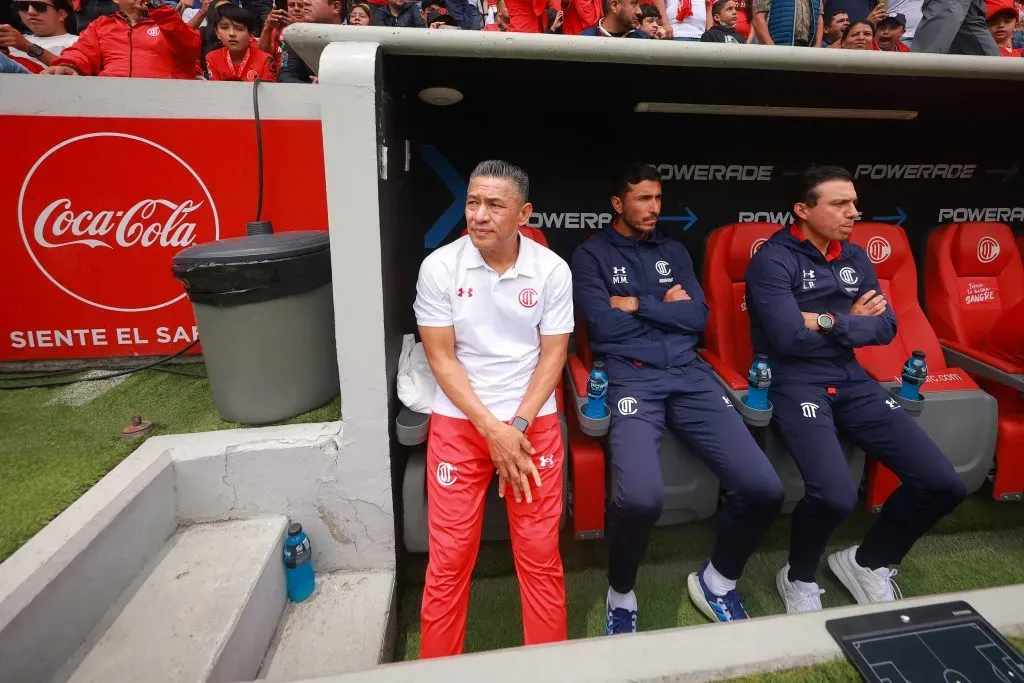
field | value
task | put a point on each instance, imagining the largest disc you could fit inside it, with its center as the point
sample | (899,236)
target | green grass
(51,454)
(980,545)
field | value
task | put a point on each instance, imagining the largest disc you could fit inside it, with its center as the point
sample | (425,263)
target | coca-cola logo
(102,214)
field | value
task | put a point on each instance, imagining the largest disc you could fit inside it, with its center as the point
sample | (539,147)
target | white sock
(621,600)
(805,587)
(718,584)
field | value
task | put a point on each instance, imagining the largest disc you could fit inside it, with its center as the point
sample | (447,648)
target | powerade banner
(571,196)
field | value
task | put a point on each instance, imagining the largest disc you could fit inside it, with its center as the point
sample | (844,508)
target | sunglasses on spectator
(37,5)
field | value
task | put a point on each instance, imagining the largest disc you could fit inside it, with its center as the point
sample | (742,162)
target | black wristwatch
(520,423)
(35,50)
(826,321)
(153,4)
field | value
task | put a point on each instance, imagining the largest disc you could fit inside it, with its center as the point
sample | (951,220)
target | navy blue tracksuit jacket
(819,388)
(787,276)
(660,334)
(654,378)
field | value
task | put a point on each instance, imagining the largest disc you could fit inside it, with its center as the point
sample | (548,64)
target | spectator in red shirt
(240,58)
(859,35)
(889,33)
(145,39)
(501,19)
(578,15)
(1001,17)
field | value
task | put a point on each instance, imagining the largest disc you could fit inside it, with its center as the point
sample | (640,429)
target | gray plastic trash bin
(265,312)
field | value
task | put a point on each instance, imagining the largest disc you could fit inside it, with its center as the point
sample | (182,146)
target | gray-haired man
(494,311)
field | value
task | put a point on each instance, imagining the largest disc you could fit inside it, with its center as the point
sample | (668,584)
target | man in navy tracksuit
(645,310)
(813,298)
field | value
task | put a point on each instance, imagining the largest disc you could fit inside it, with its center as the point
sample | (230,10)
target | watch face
(825,322)
(35,50)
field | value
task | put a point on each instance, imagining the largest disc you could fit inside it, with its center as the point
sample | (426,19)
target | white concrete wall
(302,471)
(56,587)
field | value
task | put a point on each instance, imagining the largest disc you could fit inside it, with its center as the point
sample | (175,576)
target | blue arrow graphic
(447,221)
(1007,173)
(690,218)
(899,217)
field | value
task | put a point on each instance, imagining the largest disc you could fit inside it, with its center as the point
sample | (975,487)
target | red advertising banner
(92,211)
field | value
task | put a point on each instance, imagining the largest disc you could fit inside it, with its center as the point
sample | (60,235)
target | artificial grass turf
(979,546)
(51,454)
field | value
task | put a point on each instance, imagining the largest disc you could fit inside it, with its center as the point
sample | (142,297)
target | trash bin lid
(256,248)
(255,268)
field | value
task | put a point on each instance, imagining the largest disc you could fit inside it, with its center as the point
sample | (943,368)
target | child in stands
(650,21)
(1001,17)
(724,14)
(240,58)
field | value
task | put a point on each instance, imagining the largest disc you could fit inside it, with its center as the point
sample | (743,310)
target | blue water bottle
(915,372)
(298,563)
(758,380)
(597,390)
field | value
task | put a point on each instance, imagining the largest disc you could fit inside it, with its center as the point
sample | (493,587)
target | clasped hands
(511,453)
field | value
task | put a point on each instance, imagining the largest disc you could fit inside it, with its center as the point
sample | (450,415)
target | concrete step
(205,610)
(345,626)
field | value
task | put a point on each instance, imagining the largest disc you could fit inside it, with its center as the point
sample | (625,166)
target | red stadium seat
(727,338)
(584,456)
(727,335)
(973,275)
(953,399)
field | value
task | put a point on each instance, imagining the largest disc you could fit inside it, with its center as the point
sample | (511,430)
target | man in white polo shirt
(494,311)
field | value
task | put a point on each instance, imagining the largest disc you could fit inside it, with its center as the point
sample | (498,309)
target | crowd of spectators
(242,40)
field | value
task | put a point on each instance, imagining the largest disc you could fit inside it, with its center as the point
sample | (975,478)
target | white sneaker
(866,585)
(797,598)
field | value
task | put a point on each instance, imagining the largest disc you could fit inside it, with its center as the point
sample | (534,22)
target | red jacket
(160,45)
(255,63)
(580,14)
(900,47)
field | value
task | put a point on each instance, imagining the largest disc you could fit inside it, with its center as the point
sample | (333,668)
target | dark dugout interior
(570,125)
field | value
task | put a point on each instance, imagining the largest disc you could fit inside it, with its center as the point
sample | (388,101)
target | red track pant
(459,472)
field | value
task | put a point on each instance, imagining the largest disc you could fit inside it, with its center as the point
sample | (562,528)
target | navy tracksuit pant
(643,399)
(809,417)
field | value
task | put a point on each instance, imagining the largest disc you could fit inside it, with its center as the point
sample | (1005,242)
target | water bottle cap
(918,354)
(760,356)
(294,529)
(598,364)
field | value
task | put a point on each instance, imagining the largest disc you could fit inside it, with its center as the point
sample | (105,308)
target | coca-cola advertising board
(92,210)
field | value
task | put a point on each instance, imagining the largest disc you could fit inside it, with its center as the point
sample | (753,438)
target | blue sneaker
(728,607)
(620,620)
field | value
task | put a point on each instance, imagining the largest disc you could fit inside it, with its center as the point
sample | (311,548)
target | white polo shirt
(498,320)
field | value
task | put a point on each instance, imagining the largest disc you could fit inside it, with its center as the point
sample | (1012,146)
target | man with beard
(813,298)
(619,21)
(645,311)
